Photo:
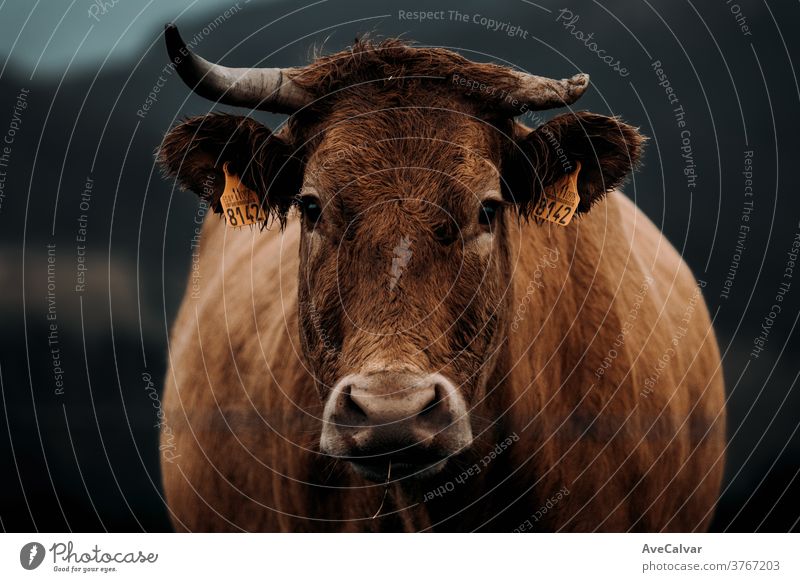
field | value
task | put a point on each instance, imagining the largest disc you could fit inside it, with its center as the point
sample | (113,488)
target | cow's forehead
(417,151)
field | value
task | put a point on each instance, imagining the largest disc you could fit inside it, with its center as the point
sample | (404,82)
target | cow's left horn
(266,89)
(544,93)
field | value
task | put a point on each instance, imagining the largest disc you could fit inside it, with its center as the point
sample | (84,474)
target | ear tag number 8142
(240,204)
(560,200)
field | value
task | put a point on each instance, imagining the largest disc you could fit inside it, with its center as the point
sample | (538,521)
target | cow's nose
(411,419)
(394,402)
(393,409)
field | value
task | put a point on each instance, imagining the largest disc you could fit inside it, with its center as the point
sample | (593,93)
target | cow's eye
(311,209)
(488,212)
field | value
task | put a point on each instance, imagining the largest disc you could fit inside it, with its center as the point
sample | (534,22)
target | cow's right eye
(311,209)
(488,212)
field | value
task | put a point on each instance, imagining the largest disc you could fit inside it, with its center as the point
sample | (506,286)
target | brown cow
(412,350)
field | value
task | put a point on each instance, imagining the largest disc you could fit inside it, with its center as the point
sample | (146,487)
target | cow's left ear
(608,151)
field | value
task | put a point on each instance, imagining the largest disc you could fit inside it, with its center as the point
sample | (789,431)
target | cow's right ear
(195,151)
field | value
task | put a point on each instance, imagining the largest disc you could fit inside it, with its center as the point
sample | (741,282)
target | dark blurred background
(83,455)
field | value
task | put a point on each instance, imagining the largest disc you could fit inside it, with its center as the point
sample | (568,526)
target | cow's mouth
(403,466)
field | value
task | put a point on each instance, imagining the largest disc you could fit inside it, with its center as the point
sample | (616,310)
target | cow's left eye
(488,212)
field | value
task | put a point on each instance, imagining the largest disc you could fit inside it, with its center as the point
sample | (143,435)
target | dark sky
(46,37)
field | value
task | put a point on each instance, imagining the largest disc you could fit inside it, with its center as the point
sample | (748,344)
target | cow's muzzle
(413,421)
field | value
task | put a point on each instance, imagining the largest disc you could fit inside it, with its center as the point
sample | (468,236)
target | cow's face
(405,202)
(403,280)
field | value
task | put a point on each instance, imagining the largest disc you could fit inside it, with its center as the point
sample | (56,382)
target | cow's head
(408,171)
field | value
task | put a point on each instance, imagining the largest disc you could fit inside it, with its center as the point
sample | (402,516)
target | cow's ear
(195,151)
(608,151)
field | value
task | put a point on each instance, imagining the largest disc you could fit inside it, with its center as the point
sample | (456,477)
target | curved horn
(266,89)
(544,93)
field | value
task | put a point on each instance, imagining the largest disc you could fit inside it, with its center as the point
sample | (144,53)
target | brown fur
(520,324)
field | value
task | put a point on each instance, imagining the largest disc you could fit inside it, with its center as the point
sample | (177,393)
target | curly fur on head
(400,64)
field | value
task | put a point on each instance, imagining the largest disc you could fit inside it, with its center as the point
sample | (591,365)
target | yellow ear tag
(240,204)
(560,200)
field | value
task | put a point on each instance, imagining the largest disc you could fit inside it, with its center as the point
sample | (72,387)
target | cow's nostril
(437,414)
(434,403)
(350,413)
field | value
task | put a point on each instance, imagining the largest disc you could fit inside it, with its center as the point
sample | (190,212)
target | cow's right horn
(266,89)
(545,93)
